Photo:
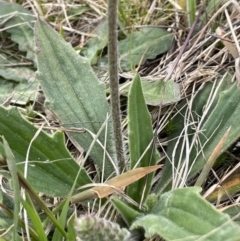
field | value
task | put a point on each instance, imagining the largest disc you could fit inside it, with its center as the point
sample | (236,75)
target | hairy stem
(113,75)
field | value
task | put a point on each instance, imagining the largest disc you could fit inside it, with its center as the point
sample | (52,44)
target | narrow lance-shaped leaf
(140,140)
(34,216)
(11,163)
(222,116)
(73,92)
(211,119)
(126,211)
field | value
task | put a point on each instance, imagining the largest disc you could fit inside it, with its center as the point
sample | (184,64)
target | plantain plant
(40,162)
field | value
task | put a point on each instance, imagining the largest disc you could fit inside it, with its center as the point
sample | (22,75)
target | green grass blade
(34,216)
(8,212)
(11,163)
(191,8)
(63,218)
(41,204)
(70,227)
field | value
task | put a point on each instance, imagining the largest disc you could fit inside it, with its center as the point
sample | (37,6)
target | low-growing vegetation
(119,120)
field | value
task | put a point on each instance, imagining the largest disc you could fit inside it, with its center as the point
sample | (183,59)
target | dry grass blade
(227,186)
(237,69)
(60,128)
(203,176)
(227,42)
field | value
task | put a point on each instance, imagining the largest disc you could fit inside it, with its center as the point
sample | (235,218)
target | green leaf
(6,222)
(141,45)
(183,214)
(18,21)
(9,70)
(21,85)
(62,222)
(63,217)
(233,211)
(41,203)
(71,234)
(97,43)
(74,93)
(24,92)
(211,120)
(11,163)
(34,216)
(6,88)
(20,93)
(140,138)
(151,201)
(75,10)
(49,160)
(191,9)
(159,92)
(128,214)
(222,115)
(210,9)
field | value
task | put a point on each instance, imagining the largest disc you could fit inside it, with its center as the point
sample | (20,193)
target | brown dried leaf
(123,180)
(229,185)
(113,185)
(206,169)
(231,47)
